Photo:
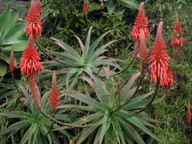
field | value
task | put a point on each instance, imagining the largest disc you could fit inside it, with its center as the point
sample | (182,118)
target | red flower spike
(188,114)
(30,60)
(11,61)
(159,59)
(142,47)
(34,91)
(54,97)
(33,21)
(177,39)
(32,2)
(141,23)
(168,81)
(86,6)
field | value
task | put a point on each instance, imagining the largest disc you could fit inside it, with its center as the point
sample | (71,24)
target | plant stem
(62,123)
(151,101)
(13,78)
(50,127)
(140,80)
(133,60)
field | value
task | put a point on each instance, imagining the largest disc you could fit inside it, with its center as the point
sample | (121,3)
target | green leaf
(14,35)
(15,127)
(87,43)
(5,24)
(67,48)
(110,6)
(95,44)
(102,94)
(80,43)
(14,17)
(88,100)
(125,94)
(14,114)
(26,94)
(84,108)
(17,47)
(131,3)
(96,140)
(104,62)
(94,118)
(102,48)
(3,68)
(137,100)
(71,73)
(131,132)
(141,126)
(118,131)
(105,127)
(85,133)
(28,134)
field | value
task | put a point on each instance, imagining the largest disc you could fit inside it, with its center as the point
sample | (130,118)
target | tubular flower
(141,23)
(30,60)
(177,39)
(188,114)
(159,59)
(34,91)
(86,6)
(33,21)
(168,81)
(54,94)
(142,47)
(11,61)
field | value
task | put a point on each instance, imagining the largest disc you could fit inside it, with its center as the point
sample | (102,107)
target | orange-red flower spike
(33,21)
(143,49)
(54,97)
(86,6)
(159,60)
(188,114)
(177,39)
(141,23)
(11,61)
(30,61)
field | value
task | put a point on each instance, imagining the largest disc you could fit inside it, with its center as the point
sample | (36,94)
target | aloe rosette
(90,59)
(110,118)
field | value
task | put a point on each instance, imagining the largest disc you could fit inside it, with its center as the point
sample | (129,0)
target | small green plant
(11,36)
(114,116)
(32,126)
(89,60)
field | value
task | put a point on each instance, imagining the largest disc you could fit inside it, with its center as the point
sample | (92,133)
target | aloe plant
(11,36)
(112,116)
(31,125)
(90,59)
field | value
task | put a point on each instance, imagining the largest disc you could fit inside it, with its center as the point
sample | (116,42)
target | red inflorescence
(86,6)
(54,97)
(141,23)
(33,21)
(159,61)
(142,47)
(30,60)
(11,61)
(168,80)
(177,39)
(188,114)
